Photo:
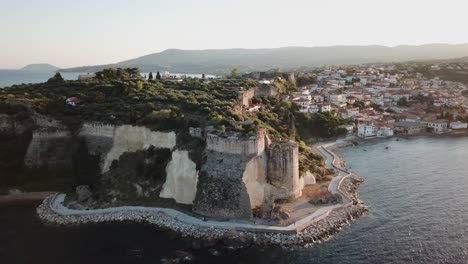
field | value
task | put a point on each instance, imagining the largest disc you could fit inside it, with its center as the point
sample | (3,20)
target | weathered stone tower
(283,169)
(242,173)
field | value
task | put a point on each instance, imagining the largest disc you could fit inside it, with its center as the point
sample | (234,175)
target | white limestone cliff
(254,180)
(181,178)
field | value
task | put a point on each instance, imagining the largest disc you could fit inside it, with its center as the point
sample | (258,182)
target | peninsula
(197,152)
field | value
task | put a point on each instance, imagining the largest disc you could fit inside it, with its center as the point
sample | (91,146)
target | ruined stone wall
(97,129)
(236,144)
(44,121)
(221,192)
(10,126)
(52,148)
(283,169)
(266,90)
(98,138)
(245,97)
(105,140)
(129,138)
(196,132)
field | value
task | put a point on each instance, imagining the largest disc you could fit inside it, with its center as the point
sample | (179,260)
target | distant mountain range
(224,60)
(40,67)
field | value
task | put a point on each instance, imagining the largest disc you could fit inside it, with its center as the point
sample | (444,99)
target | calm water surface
(417,191)
(10,77)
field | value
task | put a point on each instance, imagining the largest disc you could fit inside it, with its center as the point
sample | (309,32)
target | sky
(69,33)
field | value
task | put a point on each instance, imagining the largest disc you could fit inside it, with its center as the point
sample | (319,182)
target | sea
(416,190)
(11,77)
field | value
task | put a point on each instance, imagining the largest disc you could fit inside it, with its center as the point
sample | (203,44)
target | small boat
(386,147)
(365,149)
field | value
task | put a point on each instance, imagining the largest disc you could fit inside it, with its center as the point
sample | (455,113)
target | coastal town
(384,100)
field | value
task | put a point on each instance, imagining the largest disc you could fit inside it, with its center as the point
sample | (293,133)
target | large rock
(177,257)
(280,213)
(237,240)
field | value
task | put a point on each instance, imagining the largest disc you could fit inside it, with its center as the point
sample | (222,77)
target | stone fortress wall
(239,173)
(242,173)
(236,144)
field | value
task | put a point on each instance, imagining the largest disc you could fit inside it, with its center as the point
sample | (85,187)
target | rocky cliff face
(11,126)
(235,175)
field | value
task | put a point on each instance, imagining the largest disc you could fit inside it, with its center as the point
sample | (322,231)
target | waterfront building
(458,125)
(409,128)
(366,131)
(438,126)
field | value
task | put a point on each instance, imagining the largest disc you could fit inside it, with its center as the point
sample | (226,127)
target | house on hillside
(458,125)
(84,77)
(72,101)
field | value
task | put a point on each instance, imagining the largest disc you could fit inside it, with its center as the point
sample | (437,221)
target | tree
(158,76)
(139,85)
(403,102)
(57,78)
(150,78)
(234,73)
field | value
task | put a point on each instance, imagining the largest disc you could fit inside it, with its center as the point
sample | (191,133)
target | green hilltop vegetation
(122,96)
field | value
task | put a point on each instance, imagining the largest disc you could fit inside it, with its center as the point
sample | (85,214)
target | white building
(303,103)
(318,99)
(366,131)
(384,132)
(458,125)
(438,126)
(325,108)
(314,108)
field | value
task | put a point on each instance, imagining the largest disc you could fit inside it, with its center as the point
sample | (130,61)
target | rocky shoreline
(319,231)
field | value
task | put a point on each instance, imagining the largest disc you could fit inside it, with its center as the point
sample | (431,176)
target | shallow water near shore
(416,191)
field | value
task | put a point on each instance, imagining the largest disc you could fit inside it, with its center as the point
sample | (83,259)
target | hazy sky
(70,33)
